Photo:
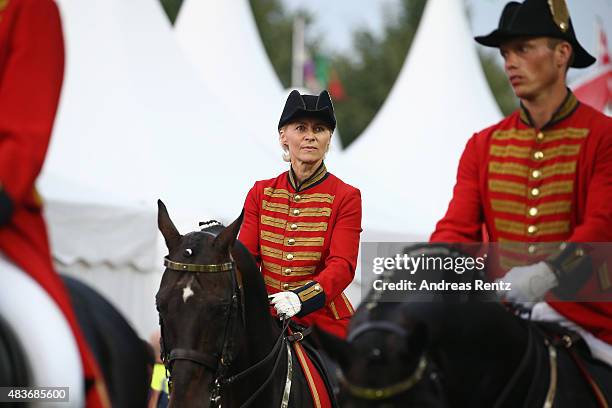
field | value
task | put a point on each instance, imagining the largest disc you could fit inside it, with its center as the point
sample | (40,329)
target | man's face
(531,66)
(307,139)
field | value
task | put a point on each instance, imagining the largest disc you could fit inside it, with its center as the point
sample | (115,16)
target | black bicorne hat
(537,18)
(311,106)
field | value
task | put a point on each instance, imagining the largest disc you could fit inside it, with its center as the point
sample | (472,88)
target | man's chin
(523,93)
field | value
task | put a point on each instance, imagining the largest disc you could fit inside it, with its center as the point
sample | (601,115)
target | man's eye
(318,129)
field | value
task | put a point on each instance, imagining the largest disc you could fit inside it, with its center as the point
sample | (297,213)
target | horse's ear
(166,227)
(337,348)
(226,238)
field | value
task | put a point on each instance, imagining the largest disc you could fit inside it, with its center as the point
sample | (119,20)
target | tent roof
(135,123)
(406,160)
(221,39)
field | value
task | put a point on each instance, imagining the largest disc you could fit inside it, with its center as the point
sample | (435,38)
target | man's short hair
(552,44)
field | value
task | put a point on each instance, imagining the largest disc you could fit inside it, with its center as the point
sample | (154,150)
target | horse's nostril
(188,252)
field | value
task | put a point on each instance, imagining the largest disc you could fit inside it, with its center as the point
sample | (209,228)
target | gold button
(538,155)
(533,211)
(532,229)
(535,192)
(293,226)
(536,174)
(285,286)
(579,252)
(540,136)
(297,197)
(288,271)
(291,241)
(532,249)
(289,256)
(563,26)
(296,212)
(317,288)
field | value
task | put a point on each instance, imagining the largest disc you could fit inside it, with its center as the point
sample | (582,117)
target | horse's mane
(252,279)
(212,226)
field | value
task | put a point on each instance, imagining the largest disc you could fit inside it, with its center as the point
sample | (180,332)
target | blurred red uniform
(31,73)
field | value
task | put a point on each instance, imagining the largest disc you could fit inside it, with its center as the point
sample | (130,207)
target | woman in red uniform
(303,226)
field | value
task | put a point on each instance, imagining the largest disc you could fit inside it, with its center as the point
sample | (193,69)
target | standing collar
(318,176)
(567,107)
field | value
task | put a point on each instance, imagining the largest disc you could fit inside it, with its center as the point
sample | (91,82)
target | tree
(368,74)
(498,82)
(368,78)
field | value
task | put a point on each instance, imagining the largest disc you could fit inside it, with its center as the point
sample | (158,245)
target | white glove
(287,304)
(529,283)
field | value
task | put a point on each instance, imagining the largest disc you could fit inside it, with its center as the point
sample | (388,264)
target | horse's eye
(188,252)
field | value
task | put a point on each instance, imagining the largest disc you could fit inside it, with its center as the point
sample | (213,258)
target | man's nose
(510,61)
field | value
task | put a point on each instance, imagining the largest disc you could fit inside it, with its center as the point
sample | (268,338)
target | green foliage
(171,7)
(368,74)
(368,77)
(276,28)
(498,81)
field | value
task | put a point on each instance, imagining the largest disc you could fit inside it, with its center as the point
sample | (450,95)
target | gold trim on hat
(560,14)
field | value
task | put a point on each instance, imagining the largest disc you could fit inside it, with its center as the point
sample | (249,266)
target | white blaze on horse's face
(187,292)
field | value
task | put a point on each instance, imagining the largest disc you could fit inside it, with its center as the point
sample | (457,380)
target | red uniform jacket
(31,72)
(306,239)
(530,186)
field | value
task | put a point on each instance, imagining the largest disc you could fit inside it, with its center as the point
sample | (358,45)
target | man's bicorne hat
(308,106)
(538,18)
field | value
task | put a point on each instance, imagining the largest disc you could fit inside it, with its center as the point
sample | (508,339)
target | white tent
(221,39)
(405,162)
(136,124)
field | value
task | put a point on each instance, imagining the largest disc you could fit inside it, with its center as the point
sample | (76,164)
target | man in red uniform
(31,72)
(541,175)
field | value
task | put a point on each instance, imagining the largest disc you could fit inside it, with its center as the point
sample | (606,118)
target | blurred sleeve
(30,85)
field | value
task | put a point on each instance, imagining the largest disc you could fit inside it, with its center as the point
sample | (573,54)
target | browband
(184,267)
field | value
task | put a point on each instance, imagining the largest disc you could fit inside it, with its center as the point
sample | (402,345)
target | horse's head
(386,362)
(199,308)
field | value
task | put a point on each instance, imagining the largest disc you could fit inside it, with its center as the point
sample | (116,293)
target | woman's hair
(286,156)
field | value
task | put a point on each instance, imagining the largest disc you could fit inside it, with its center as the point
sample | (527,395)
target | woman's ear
(282,138)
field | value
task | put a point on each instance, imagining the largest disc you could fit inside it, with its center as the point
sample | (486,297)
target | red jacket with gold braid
(306,239)
(530,186)
(31,73)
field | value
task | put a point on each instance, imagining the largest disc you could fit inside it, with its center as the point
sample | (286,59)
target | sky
(336,20)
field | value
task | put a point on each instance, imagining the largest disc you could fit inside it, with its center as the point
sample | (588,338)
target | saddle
(309,357)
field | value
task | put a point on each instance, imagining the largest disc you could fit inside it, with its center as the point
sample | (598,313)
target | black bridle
(393,390)
(427,368)
(220,362)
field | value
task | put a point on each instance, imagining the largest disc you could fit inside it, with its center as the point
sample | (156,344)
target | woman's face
(307,140)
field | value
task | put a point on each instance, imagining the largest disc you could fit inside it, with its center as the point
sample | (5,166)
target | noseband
(374,394)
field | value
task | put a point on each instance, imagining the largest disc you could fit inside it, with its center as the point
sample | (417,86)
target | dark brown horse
(459,352)
(219,342)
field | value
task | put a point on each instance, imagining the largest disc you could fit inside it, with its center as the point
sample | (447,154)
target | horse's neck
(483,344)
(261,330)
